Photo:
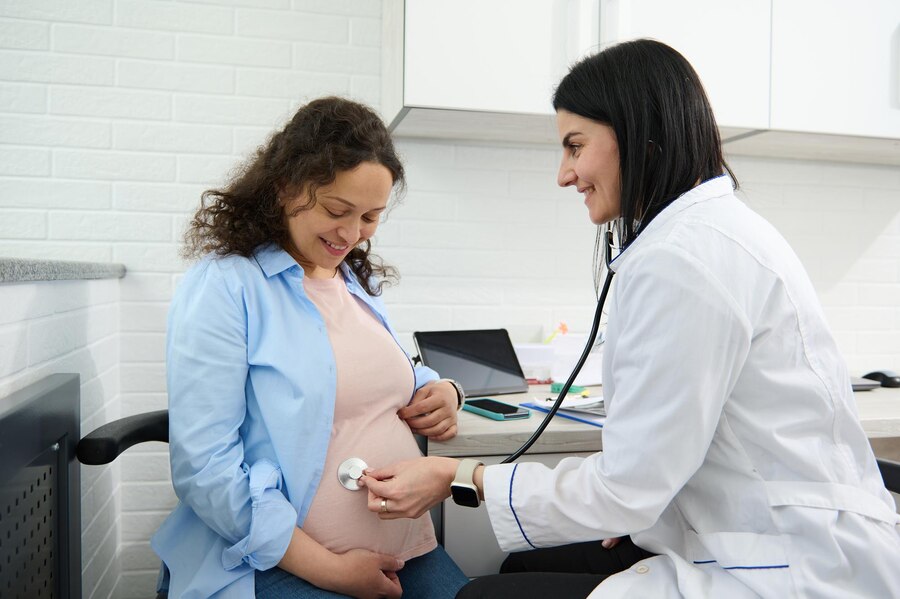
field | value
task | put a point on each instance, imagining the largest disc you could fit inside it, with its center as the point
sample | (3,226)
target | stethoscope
(351,470)
(595,325)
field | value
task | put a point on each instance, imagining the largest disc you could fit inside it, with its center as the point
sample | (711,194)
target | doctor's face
(345,214)
(591,163)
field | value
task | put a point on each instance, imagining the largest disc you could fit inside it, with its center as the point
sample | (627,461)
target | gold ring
(384,509)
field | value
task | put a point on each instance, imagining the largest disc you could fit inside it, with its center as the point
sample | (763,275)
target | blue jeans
(430,576)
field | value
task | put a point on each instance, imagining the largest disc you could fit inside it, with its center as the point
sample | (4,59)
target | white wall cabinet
(789,78)
(835,82)
(480,69)
(511,57)
(836,67)
(727,42)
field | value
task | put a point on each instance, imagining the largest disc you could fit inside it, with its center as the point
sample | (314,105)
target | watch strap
(460,393)
(465,472)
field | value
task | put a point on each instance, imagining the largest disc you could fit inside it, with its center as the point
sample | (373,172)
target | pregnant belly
(339,518)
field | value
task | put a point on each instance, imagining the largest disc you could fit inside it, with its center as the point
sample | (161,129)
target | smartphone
(495,410)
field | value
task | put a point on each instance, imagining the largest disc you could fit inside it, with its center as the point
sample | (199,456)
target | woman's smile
(335,249)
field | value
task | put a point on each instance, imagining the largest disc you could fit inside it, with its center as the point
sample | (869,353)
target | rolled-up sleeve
(271,525)
(207,366)
(425,375)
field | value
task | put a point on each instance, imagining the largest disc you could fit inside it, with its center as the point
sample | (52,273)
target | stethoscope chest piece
(350,471)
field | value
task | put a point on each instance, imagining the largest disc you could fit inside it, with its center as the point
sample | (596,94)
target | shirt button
(642,569)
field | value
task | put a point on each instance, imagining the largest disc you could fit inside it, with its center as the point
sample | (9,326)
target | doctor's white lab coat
(732,446)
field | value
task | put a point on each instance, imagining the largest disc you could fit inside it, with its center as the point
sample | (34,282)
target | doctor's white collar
(716,187)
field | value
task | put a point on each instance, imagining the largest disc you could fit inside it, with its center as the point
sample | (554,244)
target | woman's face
(591,163)
(346,213)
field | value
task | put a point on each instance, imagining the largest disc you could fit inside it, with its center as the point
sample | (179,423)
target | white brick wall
(843,221)
(116,114)
(72,326)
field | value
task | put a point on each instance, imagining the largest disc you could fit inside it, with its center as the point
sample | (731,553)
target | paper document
(576,403)
(593,419)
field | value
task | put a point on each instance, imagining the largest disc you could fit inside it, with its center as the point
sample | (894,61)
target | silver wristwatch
(460,393)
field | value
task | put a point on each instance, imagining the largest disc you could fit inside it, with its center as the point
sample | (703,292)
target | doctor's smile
(590,163)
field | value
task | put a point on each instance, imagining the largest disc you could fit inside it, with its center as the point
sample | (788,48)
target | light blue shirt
(251,382)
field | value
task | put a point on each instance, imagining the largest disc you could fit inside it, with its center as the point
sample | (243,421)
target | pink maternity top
(374,380)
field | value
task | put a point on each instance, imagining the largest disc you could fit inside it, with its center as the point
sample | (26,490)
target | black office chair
(890,473)
(105,444)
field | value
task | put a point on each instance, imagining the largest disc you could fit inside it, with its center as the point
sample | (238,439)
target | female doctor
(732,452)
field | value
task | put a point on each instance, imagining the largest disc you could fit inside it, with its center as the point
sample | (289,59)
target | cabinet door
(468,536)
(726,41)
(497,55)
(836,67)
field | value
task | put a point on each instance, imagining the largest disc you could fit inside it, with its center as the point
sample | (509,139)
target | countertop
(879,413)
(17,270)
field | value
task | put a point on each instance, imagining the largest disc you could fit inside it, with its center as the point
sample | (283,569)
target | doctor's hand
(368,575)
(410,488)
(433,411)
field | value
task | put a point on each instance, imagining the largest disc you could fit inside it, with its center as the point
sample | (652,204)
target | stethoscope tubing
(595,326)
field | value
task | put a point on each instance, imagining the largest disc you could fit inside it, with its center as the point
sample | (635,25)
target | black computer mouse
(887,378)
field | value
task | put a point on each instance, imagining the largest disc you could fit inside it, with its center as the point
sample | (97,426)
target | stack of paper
(588,410)
(575,403)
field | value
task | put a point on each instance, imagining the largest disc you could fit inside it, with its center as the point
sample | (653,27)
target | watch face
(466,496)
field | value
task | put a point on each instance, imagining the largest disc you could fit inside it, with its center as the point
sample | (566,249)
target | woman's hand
(358,573)
(611,542)
(367,575)
(433,411)
(409,488)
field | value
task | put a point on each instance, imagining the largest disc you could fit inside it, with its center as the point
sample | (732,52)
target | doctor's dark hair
(664,125)
(325,137)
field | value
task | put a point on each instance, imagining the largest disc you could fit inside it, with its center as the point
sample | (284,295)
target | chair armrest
(422,442)
(104,445)
(890,473)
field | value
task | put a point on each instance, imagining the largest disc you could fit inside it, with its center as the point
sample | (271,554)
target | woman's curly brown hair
(325,137)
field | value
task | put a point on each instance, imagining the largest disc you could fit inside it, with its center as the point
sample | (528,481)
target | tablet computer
(482,361)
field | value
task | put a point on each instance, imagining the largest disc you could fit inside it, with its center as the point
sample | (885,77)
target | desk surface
(879,412)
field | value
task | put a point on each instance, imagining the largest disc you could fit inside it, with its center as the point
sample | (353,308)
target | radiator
(40,491)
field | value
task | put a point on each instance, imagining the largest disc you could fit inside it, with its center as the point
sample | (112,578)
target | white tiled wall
(843,220)
(72,326)
(116,114)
